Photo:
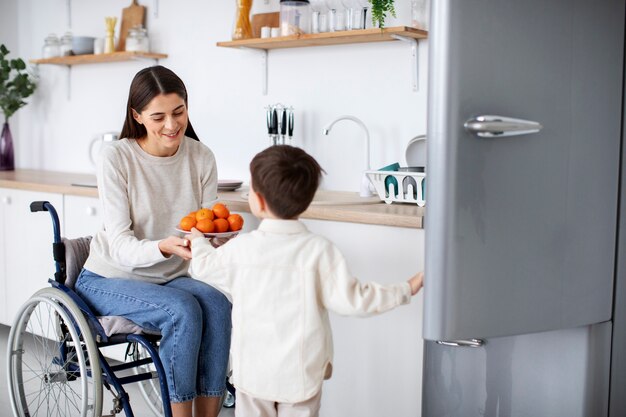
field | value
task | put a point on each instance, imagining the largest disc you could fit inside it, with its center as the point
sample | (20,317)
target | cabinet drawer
(83,216)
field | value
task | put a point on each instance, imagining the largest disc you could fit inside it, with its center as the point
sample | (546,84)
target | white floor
(140,409)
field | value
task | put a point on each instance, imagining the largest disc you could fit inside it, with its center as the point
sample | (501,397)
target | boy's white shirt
(282,280)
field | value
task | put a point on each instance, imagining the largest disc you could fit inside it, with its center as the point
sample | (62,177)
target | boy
(282,281)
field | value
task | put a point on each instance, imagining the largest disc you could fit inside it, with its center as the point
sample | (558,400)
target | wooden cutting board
(263,19)
(132,16)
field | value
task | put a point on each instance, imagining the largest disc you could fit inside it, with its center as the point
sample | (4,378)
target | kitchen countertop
(398,215)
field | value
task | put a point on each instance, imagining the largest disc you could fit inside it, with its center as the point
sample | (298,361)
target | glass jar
(51,46)
(295,17)
(420,11)
(144,41)
(242,28)
(137,40)
(66,45)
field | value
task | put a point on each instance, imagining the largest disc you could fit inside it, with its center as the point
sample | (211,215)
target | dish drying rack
(411,186)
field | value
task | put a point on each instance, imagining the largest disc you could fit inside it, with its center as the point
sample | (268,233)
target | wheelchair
(54,362)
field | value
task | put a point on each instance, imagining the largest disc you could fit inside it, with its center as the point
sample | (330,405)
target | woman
(136,268)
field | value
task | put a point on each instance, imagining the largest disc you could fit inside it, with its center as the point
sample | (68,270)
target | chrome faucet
(365,190)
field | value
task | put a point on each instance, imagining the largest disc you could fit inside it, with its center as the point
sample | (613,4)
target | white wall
(370,81)
(378,360)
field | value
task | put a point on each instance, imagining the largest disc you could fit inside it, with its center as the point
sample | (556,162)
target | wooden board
(264,19)
(98,59)
(329,38)
(132,16)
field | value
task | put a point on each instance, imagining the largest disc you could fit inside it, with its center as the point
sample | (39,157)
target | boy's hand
(416,282)
(194,233)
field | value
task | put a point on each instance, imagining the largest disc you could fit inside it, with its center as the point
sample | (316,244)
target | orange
(187,222)
(204,213)
(221,211)
(221,225)
(235,221)
(205,226)
(192,214)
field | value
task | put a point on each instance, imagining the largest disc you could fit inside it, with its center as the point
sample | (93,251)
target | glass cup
(337,15)
(319,16)
(361,14)
(420,10)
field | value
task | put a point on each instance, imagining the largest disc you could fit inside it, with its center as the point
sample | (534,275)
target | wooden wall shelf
(402,33)
(328,38)
(98,59)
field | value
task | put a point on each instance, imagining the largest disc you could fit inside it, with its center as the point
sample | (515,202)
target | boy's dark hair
(287,178)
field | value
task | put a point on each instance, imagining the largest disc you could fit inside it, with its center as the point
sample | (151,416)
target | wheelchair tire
(47,375)
(150,389)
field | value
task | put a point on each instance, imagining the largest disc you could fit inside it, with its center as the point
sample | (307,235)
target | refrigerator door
(561,373)
(523,163)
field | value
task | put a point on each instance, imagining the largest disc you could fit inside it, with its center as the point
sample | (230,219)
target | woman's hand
(173,245)
(416,282)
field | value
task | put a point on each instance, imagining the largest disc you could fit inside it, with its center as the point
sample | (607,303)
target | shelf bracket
(414,59)
(69,83)
(263,53)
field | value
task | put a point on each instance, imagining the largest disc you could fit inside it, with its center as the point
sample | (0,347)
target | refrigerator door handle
(472,343)
(489,126)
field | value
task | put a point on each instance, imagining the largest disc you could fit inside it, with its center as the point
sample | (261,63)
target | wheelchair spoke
(49,365)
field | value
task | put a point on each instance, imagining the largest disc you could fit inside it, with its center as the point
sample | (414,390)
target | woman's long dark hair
(147,84)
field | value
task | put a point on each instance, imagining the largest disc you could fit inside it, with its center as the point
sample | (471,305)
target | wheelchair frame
(78,336)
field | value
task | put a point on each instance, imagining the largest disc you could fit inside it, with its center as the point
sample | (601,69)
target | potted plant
(380,8)
(15,86)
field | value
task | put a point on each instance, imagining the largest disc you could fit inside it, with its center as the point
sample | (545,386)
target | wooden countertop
(399,215)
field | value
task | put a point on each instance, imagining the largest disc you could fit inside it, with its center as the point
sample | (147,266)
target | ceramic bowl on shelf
(82,45)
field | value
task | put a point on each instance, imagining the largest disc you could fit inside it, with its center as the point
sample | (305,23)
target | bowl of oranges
(216,221)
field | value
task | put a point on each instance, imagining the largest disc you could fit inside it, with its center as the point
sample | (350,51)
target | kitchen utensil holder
(406,193)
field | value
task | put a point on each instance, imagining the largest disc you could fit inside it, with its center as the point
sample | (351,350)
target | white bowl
(415,153)
(82,45)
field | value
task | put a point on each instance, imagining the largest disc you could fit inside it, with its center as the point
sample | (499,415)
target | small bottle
(295,17)
(51,46)
(66,44)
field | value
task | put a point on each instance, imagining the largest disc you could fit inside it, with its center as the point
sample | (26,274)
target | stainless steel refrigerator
(525,251)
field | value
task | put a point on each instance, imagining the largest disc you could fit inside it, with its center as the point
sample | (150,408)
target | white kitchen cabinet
(83,216)
(26,240)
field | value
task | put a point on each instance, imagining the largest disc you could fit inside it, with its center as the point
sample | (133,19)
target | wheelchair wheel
(53,362)
(150,389)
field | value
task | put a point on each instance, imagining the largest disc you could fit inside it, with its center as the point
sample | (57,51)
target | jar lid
(295,1)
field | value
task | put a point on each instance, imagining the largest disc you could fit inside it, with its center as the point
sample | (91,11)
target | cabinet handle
(91,211)
(472,343)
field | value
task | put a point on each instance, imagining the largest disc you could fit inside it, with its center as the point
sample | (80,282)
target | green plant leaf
(15,83)
(380,9)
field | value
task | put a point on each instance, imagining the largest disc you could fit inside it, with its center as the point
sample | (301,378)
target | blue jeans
(193,318)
